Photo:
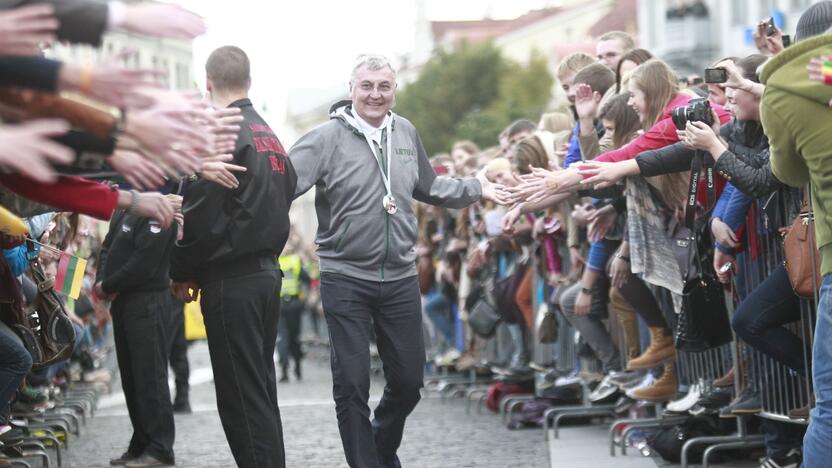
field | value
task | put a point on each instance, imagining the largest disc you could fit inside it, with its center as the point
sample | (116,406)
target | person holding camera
(655,96)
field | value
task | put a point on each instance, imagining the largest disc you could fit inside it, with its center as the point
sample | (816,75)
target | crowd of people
(650,196)
(647,197)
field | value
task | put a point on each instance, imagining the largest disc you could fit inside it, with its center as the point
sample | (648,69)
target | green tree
(472,92)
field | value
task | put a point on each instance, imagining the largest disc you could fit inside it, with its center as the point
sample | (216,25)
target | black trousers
(288,343)
(394,309)
(141,323)
(241,322)
(179,352)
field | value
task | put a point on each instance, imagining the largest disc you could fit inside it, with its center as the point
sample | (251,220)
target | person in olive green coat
(798,121)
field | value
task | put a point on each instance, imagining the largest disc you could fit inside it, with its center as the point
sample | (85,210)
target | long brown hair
(637,56)
(659,84)
(618,111)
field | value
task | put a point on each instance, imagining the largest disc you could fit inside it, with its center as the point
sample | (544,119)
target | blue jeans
(15,363)
(817,444)
(761,316)
(439,311)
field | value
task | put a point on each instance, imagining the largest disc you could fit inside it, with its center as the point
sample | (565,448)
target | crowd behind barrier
(655,274)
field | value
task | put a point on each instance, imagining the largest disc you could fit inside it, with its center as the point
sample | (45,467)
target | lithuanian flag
(70,275)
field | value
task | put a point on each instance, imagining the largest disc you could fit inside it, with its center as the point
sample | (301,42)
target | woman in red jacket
(654,94)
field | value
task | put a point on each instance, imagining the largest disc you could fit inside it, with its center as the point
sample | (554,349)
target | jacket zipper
(386,243)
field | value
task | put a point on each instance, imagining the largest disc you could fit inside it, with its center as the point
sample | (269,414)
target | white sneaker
(604,390)
(682,405)
(647,381)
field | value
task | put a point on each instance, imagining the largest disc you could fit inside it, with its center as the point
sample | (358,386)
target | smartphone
(716,75)
(770,27)
(787,40)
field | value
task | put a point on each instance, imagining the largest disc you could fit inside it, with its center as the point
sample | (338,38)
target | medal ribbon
(384,177)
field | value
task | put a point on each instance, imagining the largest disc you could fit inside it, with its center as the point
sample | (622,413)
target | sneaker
(684,404)
(711,401)
(603,391)
(645,382)
(791,460)
(624,378)
(569,380)
(747,402)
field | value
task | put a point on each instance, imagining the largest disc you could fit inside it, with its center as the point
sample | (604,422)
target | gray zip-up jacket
(356,237)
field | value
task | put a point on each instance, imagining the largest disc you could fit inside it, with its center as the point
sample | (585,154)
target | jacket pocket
(361,240)
(403,230)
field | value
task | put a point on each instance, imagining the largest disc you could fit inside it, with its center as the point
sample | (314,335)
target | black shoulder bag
(703,323)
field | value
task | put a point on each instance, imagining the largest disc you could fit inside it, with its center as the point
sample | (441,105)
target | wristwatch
(586,290)
(623,257)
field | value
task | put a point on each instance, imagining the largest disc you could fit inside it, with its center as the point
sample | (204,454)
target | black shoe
(297,371)
(123,459)
(147,461)
(182,407)
(283,378)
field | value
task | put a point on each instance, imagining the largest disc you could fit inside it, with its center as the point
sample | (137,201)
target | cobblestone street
(437,434)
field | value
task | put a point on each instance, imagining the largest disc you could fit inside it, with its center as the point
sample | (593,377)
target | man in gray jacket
(368,164)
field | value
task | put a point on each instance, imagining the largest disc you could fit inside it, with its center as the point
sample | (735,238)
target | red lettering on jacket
(260,128)
(278,164)
(268,144)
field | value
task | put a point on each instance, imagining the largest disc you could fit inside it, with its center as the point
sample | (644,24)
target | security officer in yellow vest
(295,278)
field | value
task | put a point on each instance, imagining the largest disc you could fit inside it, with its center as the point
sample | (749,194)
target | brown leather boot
(726,380)
(627,318)
(664,389)
(660,351)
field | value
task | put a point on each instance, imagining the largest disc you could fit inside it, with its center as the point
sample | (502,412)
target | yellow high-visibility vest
(291,266)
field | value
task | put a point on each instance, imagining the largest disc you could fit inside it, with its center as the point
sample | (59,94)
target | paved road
(437,435)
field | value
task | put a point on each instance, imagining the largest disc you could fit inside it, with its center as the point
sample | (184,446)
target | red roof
(622,17)
(482,30)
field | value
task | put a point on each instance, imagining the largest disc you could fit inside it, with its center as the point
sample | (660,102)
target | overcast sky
(303,44)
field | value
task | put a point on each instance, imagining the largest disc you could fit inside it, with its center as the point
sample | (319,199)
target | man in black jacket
(229,250)
(133,273)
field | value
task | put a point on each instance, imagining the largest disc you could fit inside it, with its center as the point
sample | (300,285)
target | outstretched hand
(542,183)
(493,192)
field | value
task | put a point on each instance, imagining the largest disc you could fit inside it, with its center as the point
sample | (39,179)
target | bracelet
(623,257)
(586,290)
(85,80)
(134,202)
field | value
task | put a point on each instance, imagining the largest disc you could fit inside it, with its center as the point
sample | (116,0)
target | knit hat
(814,21)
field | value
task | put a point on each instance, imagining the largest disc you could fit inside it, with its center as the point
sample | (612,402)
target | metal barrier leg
(603,410)
(748,442)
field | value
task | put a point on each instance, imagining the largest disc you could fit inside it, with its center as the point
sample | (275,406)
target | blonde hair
(498,164)
(573,63)
(659,84)
(626,39)
(555,122)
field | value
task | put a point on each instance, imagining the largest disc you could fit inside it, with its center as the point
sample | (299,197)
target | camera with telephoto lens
(697,110)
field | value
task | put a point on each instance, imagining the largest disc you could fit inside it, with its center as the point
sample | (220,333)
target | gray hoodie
(356,236)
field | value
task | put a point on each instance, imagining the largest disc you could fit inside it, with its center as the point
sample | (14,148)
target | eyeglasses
(383,88)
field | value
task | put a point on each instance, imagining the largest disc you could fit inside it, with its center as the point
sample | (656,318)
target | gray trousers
(592,329)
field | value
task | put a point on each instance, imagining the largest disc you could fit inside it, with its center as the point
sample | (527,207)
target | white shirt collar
(373,132)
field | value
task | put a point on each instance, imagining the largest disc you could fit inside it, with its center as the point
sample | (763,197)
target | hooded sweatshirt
(796,116)
(356,236)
